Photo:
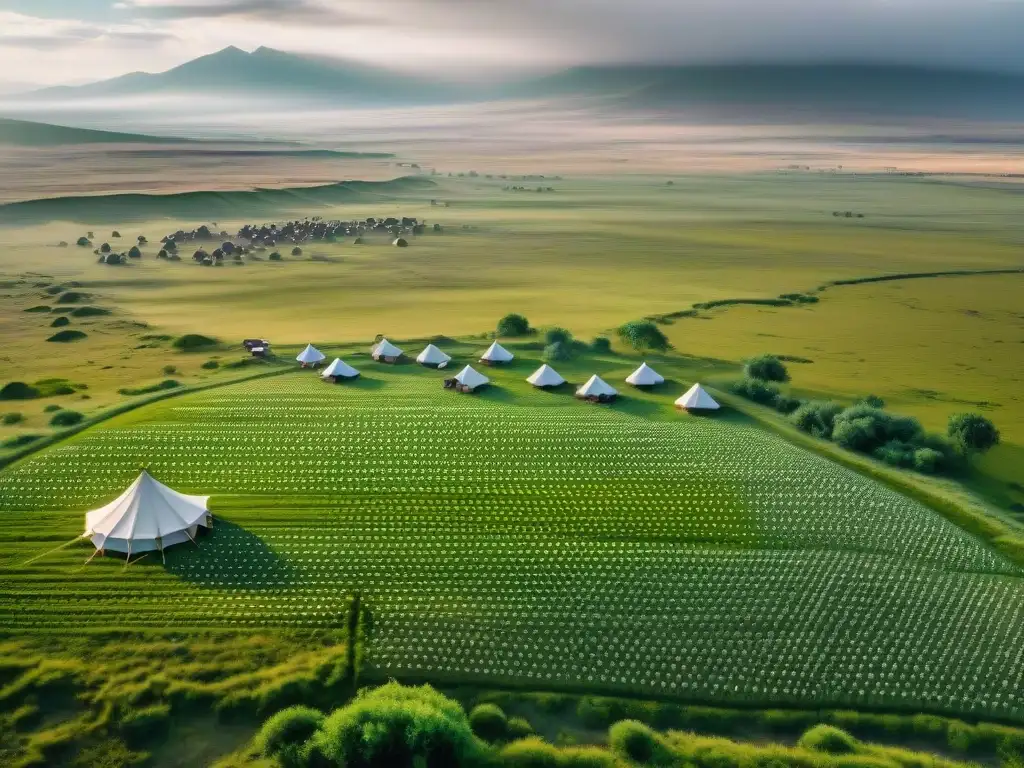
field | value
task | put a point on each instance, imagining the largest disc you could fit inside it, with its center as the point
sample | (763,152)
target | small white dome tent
(597,389)
(310,356)
(147,516)
(385,351)
(645,376)
(431,355)
(339,369)
(469,379)
(546,376)
(496,354)
(697,399)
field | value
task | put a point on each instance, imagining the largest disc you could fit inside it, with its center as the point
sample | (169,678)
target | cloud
(21,31)
(286,12)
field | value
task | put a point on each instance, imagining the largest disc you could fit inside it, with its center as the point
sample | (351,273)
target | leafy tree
(514,325)
(817,417)
(105,248)
(134,252)
(275,256)
(766,368)
(866,429)
(757,391)
(873,400)
(972,433)
(643,335)
(296,251)
(83,242)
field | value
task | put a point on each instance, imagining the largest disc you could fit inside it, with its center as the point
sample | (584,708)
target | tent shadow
(362,382)
(229,557)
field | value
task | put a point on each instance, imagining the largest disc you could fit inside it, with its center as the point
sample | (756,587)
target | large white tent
(596,387)
(546,376)
(339,369)
(471,378)
(147,516)
(696,399)
(310,355)
(496,354)
(645,376)
(431,355)
(385,350)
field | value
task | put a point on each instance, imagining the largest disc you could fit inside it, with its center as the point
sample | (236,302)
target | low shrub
(285,733)
(40,308)
(66,419)
(866,429)
(756,390)
(12,418)
(296,251)
(163,385)
(556,352)
(51,408)
(19,441)
(275,256)
(89,312)
(57,387)
(142,725)
(828,738)
(972,433)
(71,297)
(193,341)
(60,322)
(601,345)
(817,417)
(513,324)
(766,368)
(489,722)
(18,390)
(643,335)
(64,337)
(210,365)
(170,370)
(557,336)
(519,728)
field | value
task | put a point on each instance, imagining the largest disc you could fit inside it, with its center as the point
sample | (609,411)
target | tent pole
(89,560)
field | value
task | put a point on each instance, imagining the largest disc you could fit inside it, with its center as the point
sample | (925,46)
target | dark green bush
(38,308)
(489,722)
(89,312)
(643,335)
(66,419)
(296,251)
(142,725)
(60,322)
(514,325)
(397,726)
(193,341)
(51,408)
(83,242)
(636,741)
(210,365)
(12,418)
(285,733)
(71,297)
(20,440)
(134,252)
(66,336)
(972,433)
(18,390)
(828,738)
(601,344)
(275,256)
(873,400)
(757,391)
(598,712)
(817,417)
(519,728)
(866,429)
(766,368)
(163,385)
(556,352)
(557,336)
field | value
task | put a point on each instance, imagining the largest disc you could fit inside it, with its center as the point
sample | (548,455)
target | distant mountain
(799,91)
(265,73)
(30,134)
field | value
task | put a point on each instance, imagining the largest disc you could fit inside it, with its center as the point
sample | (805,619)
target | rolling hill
(26,133)
(265,72)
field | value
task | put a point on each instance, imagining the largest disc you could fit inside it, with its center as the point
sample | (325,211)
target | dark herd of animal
(260,237)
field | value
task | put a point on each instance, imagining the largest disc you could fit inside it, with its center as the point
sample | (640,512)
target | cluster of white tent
(694,399)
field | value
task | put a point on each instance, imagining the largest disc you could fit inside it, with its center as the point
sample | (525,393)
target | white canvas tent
(147,516)
(385,350)
(496,354)
(310,355)
(471,378)
(696,399)
(546,376)
(596,387)
(431,355)
(645,376)
(339,369)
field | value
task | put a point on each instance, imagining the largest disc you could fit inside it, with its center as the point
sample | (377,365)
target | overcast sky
(72,41)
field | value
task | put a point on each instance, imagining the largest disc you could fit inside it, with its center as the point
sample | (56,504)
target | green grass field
(523,537)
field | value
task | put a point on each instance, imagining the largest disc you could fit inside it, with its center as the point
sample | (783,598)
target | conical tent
(431,355)
(148,516)
(385,349)
(339,369)
(497,354)
(596,387)
(546,376)
(696,399)
(310,355)
(645,376)
(470,377)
